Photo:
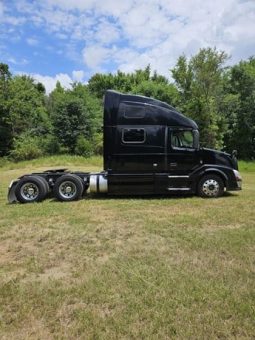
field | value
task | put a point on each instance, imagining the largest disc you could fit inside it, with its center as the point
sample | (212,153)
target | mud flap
(11,192)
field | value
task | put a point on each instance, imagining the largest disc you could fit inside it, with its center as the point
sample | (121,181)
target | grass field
(132,268)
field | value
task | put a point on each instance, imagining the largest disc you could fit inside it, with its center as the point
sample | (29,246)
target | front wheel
(210,186)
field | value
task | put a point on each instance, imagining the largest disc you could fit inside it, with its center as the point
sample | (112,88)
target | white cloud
(50,82)
(106,7)
(74,4)
(94,56)
(106,32)
(9,19)
(132,33)
(1,9)
(14,61)
(65,79)
(78,75)
(32,41)
(157,32)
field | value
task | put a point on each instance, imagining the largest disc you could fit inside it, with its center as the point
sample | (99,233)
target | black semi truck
(149,148)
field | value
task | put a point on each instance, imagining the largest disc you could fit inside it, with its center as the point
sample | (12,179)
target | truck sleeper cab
(149,148)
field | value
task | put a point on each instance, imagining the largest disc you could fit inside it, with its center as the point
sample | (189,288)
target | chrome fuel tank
(98,183)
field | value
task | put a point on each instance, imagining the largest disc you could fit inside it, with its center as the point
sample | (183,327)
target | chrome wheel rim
(29,191)
(211,187)
(67,189)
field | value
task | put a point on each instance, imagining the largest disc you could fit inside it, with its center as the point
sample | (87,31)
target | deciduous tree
(199,82)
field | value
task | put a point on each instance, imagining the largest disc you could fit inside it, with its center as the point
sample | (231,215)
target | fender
(11,191)
(220,172)
(204,170)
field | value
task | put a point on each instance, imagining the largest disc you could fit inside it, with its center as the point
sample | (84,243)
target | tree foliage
(27,107)
(5,127)
(199,82)
(220,99)
(242,86)
(74,113)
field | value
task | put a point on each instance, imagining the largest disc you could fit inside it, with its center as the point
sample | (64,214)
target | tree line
(220,99)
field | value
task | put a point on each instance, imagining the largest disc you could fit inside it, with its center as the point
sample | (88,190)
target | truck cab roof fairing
(157,112)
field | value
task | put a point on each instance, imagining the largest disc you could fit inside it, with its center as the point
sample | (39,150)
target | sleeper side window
(133,135)
(132,111)
(182,139)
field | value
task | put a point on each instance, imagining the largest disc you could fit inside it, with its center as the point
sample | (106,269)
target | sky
(70,40)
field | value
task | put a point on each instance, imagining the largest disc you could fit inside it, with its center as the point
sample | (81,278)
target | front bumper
(236,184)
(238,179)
(239,185)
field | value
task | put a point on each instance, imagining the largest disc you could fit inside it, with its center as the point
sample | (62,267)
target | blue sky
(69,40)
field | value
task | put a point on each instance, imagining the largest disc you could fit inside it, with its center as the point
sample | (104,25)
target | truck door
(182,159)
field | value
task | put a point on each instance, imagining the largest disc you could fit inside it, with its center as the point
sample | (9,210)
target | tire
(68,188)
(45,183)
(210,186)
(31,189)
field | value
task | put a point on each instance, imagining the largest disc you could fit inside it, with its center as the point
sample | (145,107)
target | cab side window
(182,139)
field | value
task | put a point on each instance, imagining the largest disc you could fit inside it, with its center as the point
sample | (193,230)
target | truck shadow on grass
(180,197)
(104,197)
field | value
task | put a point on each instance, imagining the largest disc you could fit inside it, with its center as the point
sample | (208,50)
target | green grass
(65,161)
(131,268)
(247,166)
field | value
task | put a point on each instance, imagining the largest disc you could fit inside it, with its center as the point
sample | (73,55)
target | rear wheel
(31,189)
(45,184)
(68,188)
(211,186)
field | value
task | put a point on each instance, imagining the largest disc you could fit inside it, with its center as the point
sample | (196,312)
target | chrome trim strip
(178,176)
(175,189)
